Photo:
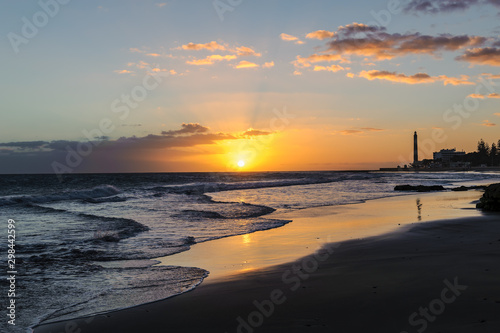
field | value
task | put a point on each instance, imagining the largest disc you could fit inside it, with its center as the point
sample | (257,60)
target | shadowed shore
(439,276)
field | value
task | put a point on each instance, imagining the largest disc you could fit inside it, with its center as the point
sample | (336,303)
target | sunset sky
(145,86)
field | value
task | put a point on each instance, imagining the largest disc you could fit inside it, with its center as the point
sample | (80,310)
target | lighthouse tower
(415,150)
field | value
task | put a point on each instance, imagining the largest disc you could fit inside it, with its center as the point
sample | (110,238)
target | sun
(241,163)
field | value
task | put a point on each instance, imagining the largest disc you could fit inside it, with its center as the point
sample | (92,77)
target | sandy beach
(356,268)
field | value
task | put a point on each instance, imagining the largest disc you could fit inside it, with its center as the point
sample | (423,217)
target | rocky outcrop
(491,199)
(419,188)
(467,188)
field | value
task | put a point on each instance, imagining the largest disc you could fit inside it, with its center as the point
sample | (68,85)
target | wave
(97,192)
(117,228)
(228,210)
(200,188)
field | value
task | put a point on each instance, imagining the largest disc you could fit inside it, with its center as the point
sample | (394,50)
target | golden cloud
(123,71)
(492,95)
(246,51)
(361,130)
(210,60)
(315,58)
(288,38)
(211,46)
(482,56)
(487,123)
(245,64)
(320,34)
(418,78)
(332,68)
(374,42)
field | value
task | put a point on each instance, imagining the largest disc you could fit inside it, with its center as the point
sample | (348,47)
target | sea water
(84,245)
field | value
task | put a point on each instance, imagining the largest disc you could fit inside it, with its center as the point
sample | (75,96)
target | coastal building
(447,155)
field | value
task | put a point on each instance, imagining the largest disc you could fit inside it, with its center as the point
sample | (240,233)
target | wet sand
(438,276)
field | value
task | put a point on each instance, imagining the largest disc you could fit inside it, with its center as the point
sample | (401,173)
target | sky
(239,85)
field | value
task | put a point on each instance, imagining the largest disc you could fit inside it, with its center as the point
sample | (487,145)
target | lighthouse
(415,150)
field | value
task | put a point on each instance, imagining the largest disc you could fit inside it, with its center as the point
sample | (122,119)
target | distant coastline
(477,169)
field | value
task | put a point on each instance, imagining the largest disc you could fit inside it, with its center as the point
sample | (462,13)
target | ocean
(85,245)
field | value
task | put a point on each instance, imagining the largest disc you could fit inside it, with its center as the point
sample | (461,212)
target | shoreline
(217,283)
(311,228)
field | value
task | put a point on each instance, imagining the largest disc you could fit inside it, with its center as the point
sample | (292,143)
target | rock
(491,199)
(467,188)
(419,188)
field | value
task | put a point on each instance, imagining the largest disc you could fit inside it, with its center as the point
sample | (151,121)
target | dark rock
(491,199)
(419,188)
(467,188)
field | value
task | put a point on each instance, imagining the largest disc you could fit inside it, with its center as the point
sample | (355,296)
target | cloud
(487,123)
(135,50)
(211,46)
(491,76)
(349,132)
(384,46)
(315,58)
(190,134)
(332,68)
(482,56)
(244,51)
(497,114)
(131,125)
(161,4)
(445,6)
(245,64)
(290,38)
(25,145)
(253,132)
(373,43)
(455,81)
(268,64)
(321,34)
(355,28)
(188,129)
(479,96)
(371,129)
(123,71)
(361,130)
(234,53)
(418,78)
(210,60)
(130,154)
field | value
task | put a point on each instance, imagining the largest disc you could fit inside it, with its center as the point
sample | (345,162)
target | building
(447,155)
